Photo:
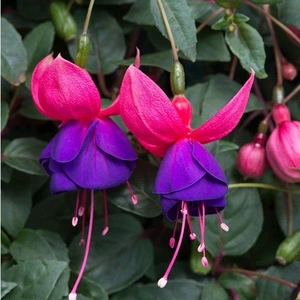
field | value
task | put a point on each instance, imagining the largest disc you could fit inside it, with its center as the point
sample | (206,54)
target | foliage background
(40,252)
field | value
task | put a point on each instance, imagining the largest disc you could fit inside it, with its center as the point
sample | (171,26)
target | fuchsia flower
(90,152)
(190,180)
(283,146)
(251,160)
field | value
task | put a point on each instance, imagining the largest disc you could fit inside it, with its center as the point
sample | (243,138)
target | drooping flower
(283,146)
(251,160)
(190,180)
(90,152)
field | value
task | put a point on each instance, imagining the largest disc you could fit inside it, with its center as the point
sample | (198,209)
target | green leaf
(202,10)
(229,4)
(4,114)
(247,44)
(161,59)
(38,43)
(5,242)
(288,12)
(269,289)
(221,24)
(23,154)
(43,280)
(282,213)
(13,54)
(175,290)
(16,205)
(242,205)
(117,259)
(29,110)
(36,10)
(6,287)
(224,146)
(113,2)
(268,1)
(182,24)
(241,284)
(107,41)
(142,182)
(38,245)
(211,46)
(240,18)
(140,13)
(6,171)
(212,291)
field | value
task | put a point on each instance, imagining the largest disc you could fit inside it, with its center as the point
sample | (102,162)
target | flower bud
(251,161)
(63,21)
(283,146)
(83,50)
(289,71)
(177,78)
(289,249)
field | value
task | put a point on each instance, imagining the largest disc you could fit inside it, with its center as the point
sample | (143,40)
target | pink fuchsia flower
(90,152)
(190,180)
(283,146)
(251,160)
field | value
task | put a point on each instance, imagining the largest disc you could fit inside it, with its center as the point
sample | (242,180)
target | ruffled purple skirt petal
(88,155)
(190,173)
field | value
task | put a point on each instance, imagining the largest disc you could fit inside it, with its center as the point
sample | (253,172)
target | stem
(292,94)
(262,275)
(88,17)
(289,213)
(277,51)
(262,186)
(209,18)
(13,102)
(233,67)
(169,31)
(102,84)
(277,22)
(70,5)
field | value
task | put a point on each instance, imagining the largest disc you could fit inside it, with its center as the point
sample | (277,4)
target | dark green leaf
(5,242)
(242,205)
(43,280)
(221,24)
(211,46)
(113,2)
(6,171)
(224,146)
(202,10)
(288,12)
(182,24)
(269,289)
(115,260)
(175,290)
(13,54)
(22,154)
(39,244)
(29,110)
(36,10)
(4,114)
(212,291)
(142,182)
(16,204)
(229,4)
(268,1)
(282,213)
(247,44)
(107,41)
(6,287)
(161,59)
(241,284)
(140,13)
(240,18)
(38,43)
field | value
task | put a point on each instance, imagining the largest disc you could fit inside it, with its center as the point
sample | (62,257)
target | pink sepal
(65,91)
(112,110)
(148,113)
(226,119)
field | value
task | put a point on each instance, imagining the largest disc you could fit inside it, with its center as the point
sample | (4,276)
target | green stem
(289,213)
(262,275)
(70,5)
(14,99)
(292,94)
(262,186)
(277,22)
(88,17)
(169,31)
(209,18)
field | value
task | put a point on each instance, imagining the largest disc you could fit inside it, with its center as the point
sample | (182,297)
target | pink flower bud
(283,146)
(251,160)
(289,71)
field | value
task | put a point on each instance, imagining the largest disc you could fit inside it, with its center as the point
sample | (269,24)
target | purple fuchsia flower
(190,181)
(90,152)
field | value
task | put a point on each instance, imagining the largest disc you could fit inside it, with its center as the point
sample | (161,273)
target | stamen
(73,295)
(192,233)
(134,197)
(202,244)
(106,228)
(172,239)
(75,219)
(201,247)
(82,240)
(224,226)
(163,281)
(81,211)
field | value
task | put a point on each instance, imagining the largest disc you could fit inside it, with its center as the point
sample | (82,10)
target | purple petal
(208,161)
(112,140)
(71,139)
(178,169)
(94,169)
(60,183)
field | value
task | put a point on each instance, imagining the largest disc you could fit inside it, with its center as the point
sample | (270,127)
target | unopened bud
(83,50)
(63,21)
(278,94)
(231,28)
(289,72)
(177,78)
